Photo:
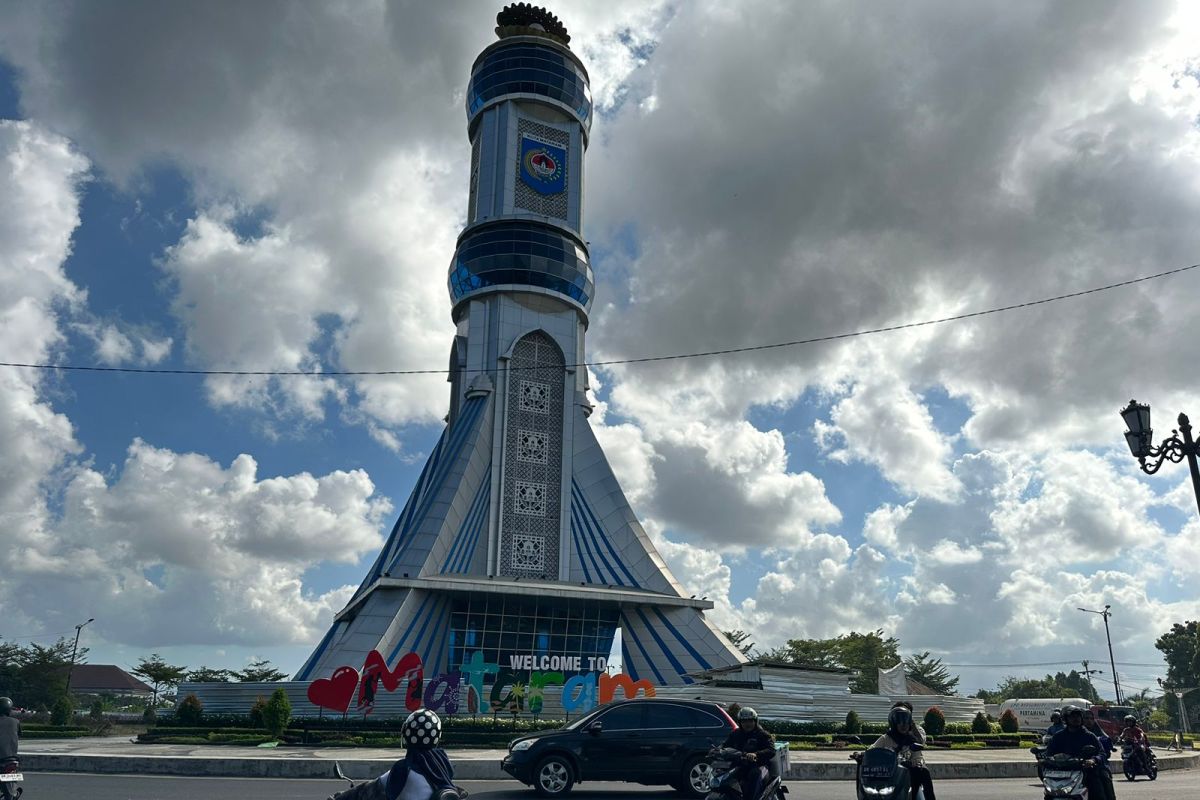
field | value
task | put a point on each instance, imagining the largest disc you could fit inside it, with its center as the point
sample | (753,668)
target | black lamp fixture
(1175,448)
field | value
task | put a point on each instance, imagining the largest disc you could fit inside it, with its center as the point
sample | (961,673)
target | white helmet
(422,729)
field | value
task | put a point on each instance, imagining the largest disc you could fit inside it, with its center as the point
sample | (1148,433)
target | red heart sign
(336,691)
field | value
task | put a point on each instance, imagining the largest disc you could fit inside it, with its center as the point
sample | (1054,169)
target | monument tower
(517,539)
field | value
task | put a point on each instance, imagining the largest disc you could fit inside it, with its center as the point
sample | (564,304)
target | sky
(278,186)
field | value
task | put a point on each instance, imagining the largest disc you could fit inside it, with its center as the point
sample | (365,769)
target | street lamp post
(1106,614)
(1176,448)
(75,651)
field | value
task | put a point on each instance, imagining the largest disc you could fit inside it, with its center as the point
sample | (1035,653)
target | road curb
(465,769)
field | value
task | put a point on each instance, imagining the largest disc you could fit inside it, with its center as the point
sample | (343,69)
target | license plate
(11,777)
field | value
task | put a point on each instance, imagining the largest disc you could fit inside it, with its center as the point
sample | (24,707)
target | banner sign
(514,689)
(543,165)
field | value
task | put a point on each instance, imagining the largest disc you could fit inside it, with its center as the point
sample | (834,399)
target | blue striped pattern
(682,639)
(315,658)
(405,515)
(596,542)
(462,551)
(666,651)
(627,634)
(576,539)
(472,411)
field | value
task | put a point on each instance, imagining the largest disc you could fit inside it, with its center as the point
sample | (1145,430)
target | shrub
(62,711)
(980,724)
(96,712)
(935,721)
(1008,721)
(190,711)
(853,723)
(277,713)
(149,716)
(257,720)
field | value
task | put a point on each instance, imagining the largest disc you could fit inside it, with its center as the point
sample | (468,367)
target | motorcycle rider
(1106,750)
(903,732)
(424,773)
(1071,741)
(1134,734)
(10,736)
(1056,723)
(757,747)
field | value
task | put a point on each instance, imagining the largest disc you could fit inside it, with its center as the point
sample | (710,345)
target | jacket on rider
(1135,734)
(756,741)
(10,735)
(1072,741)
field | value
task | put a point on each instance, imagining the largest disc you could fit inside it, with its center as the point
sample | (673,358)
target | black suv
(641,741)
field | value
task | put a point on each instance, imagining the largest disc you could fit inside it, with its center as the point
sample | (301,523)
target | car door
(669,738)
(615,749)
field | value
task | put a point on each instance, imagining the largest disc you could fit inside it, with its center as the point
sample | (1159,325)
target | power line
(612,362)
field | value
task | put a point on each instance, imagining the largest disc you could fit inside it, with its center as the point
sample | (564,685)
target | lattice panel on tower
(472,212)
(527,198)
(533,447)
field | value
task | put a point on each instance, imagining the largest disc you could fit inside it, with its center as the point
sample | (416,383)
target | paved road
(1181,785)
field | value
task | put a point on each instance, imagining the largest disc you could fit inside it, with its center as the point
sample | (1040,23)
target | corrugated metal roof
(106,678)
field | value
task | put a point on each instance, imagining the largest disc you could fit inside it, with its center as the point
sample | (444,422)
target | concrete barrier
(466,769)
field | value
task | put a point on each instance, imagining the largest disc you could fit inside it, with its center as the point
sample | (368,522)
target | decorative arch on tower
(531,493)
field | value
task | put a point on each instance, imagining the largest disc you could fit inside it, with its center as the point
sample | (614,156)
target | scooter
(1138,759)
(374,790)
(725,783)
(11,779)
(884,773)
(1039,753)
(1063,776)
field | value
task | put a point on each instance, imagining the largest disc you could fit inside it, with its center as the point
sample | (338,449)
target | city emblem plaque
(543,166)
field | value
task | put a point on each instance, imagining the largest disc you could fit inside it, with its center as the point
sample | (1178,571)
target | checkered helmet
(422,729)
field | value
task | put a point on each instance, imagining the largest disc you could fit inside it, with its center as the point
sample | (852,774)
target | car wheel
(695,777)
(553,777)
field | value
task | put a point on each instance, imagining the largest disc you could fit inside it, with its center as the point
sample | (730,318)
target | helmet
(1130,720)
(1073,711)
(6,706)
(1056,716)
(899,716)
(747,713)
(422,729)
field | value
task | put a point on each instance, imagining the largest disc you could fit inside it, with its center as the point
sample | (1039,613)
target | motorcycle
(1138,759)
(1039,754)
(11,779)
(884,773)
(374,789)
(725,782)
(1064,775)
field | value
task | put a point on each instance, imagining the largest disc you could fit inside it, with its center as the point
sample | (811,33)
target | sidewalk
(117,755)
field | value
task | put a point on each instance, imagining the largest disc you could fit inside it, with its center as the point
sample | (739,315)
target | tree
(736,638)
(935,721)
(190,711)
(931,672)
(861,653)
(277,712)
(1009,722)
(260,671)
(210,675)
(36,675)
(853,723)
(1180,647)
(980,724)
(63,710)
(160,673)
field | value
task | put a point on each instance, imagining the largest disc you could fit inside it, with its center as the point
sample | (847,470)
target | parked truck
(1033,714)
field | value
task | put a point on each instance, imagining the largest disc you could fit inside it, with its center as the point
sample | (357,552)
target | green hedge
(52,734)
(27,727)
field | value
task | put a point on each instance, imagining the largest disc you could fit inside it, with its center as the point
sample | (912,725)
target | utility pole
(1179,692)
(1106,614)
(74,651)
(1087,673)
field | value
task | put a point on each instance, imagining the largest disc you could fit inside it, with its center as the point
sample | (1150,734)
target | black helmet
(747,712)
(1073,711)
(1130,720)
(6,706)
(422,729)
(899,716)
(1056,716)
